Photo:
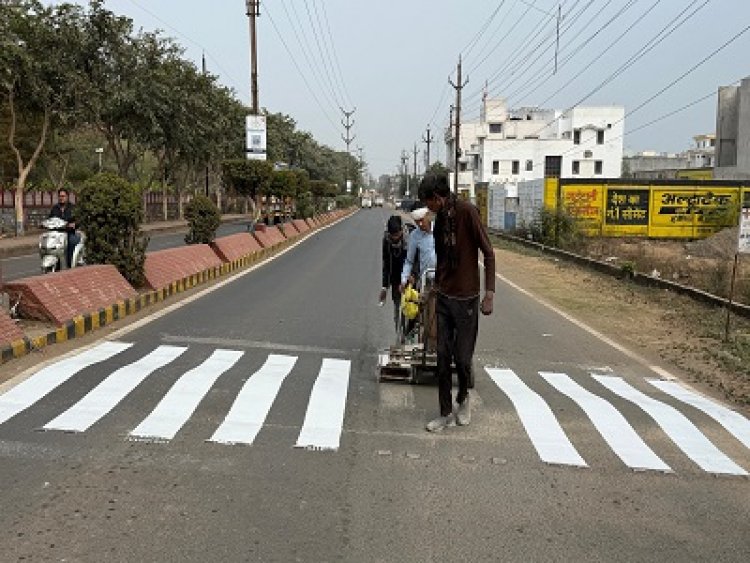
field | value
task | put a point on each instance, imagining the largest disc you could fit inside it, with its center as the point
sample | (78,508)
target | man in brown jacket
(459,236)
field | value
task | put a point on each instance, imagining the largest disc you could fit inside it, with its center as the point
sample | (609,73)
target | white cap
(420,213)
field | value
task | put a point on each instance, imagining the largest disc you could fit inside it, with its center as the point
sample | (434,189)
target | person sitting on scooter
(64,210)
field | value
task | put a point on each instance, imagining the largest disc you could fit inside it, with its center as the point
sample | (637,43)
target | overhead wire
(543,74)
(675,81)
(335,55)
(312,62)
(650,45)
(527,66)
(231,78)
(299,70)
(323,55)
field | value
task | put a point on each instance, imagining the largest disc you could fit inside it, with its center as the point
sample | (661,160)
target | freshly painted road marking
(324,419)
(183,398)
(546,434)
(105,396)
(613,427)
(733,422)
(250,408)
(676,425)
(29,391)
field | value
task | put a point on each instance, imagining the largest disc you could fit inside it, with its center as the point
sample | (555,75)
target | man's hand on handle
(487,302)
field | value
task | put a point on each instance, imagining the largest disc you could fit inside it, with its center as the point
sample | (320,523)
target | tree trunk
(18,202)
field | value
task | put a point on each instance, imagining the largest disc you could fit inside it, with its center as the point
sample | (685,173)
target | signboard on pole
(255,137)
(744,236)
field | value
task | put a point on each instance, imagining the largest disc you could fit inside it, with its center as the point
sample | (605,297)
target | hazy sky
(391,59)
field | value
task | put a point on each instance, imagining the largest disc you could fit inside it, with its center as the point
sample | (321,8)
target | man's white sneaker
(441,422)
(463,413)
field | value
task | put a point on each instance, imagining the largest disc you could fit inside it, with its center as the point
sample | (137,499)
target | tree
(110,212)
(248,178)
(40,58)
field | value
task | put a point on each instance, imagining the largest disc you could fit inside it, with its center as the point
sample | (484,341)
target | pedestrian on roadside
(459,236)
(395,242)
(64,210)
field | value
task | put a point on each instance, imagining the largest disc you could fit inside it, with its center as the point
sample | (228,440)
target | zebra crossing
(553,445)
(325,413)
(321,429)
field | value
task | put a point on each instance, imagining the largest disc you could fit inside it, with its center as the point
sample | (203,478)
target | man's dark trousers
(457,327)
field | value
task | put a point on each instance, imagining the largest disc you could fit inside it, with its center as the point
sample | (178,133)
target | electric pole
(253,11)
(405,168)
(203,60)
(348,140)
(427,140)
(458,87)
(415,163)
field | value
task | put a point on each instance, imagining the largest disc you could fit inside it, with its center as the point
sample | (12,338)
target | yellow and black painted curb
(89,322)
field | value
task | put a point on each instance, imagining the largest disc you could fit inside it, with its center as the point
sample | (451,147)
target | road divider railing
(84,299)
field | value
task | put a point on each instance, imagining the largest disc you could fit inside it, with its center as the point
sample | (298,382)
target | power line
(323,56)
(543,74)
(335,55)
(466,50)
(314,68)
(231,78)
(299,70)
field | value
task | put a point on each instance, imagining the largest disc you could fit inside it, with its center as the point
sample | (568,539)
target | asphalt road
(28,265)
(230,485)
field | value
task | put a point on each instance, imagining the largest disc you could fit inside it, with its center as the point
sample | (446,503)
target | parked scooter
(53,246)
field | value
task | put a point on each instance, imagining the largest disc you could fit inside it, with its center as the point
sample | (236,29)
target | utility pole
(348,140)
(253,11)
(427,140)
(415,163)
(203,59)
(405,168)
(458,87)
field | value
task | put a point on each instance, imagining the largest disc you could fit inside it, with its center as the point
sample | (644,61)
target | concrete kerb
(83,324)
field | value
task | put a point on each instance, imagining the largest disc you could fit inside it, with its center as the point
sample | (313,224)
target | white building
(507,146)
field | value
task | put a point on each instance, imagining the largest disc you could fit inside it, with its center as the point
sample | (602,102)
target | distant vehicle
(379,201)
(366,203)
(407,204)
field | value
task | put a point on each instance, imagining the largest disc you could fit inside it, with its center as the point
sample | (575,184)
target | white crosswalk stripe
(546,434)
(736,424)
(677,426)
(325,412)
(613,427)
(250,409)
(180,402)
(25,394)
(105,396)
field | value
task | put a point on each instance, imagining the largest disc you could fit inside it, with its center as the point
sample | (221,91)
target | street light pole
(253,11)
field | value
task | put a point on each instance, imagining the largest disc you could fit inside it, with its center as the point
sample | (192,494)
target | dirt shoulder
(685,335)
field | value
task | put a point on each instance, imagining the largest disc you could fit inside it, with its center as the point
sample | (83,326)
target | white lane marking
(324,419)
(183,398)
(661,372)
(29,391)
(733,422)
(613,427)
(105,396)
(546,434)
(676,425)
(250,408)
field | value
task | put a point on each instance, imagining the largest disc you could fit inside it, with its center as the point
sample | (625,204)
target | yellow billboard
(658,209)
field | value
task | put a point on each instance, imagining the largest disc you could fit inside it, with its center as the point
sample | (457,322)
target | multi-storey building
(507,146)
